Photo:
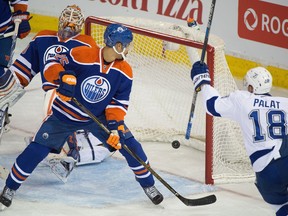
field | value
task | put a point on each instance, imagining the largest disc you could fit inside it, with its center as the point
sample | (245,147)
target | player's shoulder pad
(240,96)
(124,67)
(87,39)
(46,32)
(85,55)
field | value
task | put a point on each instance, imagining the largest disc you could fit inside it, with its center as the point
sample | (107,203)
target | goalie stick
(188,202)
(14,40)
(189,126)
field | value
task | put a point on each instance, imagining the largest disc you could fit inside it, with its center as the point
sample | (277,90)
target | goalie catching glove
(66,89)
(200,75)
(116,136)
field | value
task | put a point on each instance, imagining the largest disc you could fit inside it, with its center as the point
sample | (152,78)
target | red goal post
(162,92)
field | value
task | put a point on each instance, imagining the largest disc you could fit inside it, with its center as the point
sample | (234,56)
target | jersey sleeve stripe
(22,60)
(211,106)
(124,102)
(23,68)
(48,86)
(256,155)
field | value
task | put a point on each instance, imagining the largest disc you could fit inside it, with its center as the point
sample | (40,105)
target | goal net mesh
(162,93)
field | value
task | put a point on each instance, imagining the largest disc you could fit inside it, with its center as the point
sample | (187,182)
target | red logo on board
(263,22)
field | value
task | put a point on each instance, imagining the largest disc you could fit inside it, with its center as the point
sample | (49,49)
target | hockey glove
(24,27)
(200,75)
(116,136)
(67,85)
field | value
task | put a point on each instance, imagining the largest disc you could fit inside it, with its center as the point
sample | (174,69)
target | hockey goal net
(162,93)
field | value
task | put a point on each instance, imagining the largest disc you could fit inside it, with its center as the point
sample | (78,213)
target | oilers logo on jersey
(56,52)
(95,89)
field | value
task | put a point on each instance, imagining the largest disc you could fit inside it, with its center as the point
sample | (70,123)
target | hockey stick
(7,35)
(189,126)
(16,28)
(188,202)
(14,40)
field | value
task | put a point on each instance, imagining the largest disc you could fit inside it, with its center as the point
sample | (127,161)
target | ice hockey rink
(109,188)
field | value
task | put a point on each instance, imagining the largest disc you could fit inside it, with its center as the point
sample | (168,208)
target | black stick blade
(199,201)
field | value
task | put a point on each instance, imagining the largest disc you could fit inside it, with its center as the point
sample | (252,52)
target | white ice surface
(109,188)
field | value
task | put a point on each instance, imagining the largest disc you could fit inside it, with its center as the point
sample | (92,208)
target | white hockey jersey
(262,118)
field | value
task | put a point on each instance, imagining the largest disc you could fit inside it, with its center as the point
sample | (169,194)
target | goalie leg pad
(10,90)
(96,155)
(87,149)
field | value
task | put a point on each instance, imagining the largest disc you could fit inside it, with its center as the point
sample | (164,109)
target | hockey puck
(175,144)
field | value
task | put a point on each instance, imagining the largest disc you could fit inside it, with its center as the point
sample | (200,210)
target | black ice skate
(7,196)
(154,195)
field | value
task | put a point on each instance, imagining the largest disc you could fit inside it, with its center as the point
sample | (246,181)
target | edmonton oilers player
(102,83)
(45,45)
(263,120)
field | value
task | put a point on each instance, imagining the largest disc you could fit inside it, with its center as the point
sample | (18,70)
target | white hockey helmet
(71,21)
(260,79)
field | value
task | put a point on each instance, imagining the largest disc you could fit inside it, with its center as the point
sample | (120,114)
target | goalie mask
(71,21)
(260,79)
